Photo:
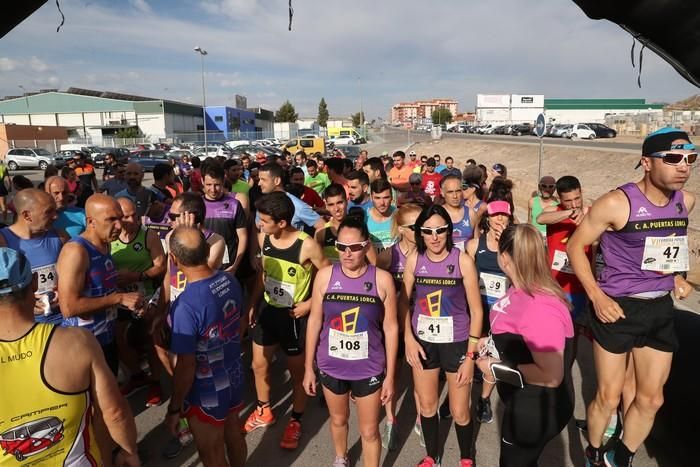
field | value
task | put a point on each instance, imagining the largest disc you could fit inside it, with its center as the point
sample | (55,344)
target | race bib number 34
(279,293)
(47,278)
(435,329)
(666,254)
(348,346)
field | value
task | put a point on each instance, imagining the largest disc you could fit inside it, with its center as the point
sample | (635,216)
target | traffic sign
(540,126)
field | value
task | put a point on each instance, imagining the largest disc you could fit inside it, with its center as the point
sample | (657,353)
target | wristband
(174,411)
(473,355)
(473,339)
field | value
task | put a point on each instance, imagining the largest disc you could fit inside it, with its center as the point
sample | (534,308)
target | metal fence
(644,123)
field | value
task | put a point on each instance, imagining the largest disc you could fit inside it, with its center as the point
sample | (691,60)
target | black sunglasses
(173,216)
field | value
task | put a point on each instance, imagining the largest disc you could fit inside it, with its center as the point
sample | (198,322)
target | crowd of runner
(353,269)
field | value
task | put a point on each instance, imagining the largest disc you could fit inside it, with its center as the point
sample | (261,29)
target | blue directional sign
(540,126)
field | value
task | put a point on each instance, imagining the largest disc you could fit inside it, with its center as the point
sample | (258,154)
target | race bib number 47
(666,254)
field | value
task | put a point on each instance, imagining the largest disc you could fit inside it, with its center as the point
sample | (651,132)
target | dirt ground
(598,170)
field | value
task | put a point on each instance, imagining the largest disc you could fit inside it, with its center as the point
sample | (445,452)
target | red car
(31,438)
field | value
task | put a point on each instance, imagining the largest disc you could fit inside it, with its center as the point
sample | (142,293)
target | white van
(76,147)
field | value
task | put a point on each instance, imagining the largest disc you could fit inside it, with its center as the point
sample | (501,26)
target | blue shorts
(579,300)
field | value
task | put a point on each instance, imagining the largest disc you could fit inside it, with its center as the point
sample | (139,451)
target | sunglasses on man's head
(353,247)
(434,231)
(672,158)
(547,186)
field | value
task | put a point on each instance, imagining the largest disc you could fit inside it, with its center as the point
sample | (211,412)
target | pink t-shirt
(542,320)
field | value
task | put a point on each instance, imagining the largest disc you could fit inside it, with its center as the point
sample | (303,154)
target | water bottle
(184,435)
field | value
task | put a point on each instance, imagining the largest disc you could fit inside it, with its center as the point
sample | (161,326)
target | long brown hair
(524,244)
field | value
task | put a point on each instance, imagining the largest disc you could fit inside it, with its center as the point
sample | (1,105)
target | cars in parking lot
(346,140)
(521,129)
(149,159)
(121,154)
(602,131)
(350,152)
(31,158)
(560,131)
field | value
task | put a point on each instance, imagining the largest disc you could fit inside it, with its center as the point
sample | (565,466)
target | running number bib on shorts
(666,254)
(280,293)
(347,346)
(561,262)
(47,278)
(492,285)
(435,329)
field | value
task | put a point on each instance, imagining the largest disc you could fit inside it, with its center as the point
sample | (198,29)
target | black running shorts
(448,356)
(274,326)
(358,388)
(647,323)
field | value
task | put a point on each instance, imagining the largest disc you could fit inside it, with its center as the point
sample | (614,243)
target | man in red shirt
(431,180)
(308,195)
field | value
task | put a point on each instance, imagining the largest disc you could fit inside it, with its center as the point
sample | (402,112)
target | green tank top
(536,211)
(287,282)
(134,256)
(329,238)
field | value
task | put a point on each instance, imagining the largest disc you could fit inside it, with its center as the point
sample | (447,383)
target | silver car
(28,158)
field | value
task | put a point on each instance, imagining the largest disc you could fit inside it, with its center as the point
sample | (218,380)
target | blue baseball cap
(660,141)
(15,271)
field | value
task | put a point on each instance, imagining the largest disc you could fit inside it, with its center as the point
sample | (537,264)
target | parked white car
(29,158)
(344,140)
(240,142)
(580,130)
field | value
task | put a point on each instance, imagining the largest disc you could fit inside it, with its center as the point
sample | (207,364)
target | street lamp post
(362,113)
(202,53)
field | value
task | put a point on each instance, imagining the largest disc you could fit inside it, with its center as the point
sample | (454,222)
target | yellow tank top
(287,282)
(38,424)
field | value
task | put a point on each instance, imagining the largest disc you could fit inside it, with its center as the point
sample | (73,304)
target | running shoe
(591,460)
(389,437)
(154,397)
(418,429)
(444,410)
(609,459)
(172,448)
(290,439)
(484,414)
(135,383)
(428,462)
(260,417)
(341,461)
(466,463)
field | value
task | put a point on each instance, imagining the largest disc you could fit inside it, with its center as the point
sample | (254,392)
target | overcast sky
(377,52)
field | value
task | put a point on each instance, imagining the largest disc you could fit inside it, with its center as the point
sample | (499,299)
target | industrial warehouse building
(96,116)
(520,108)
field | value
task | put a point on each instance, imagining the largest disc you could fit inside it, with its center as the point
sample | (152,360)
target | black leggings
(533,416)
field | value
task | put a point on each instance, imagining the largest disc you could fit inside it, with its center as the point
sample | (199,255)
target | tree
(322,113)
(441,115)
(131,132)
(357,119)
(286,113)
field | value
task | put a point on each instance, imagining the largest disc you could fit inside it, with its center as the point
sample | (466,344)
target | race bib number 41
(435,329)
(279,293)
(666,254)
(347,346)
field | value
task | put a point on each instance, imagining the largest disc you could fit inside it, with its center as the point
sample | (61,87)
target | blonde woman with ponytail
(531,334)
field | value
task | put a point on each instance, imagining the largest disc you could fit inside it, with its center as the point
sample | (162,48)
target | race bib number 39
(348,346)
(666,254)
(279,293)
(435,329)
(492,285)
(560,262)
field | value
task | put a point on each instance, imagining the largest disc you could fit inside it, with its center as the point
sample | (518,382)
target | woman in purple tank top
(352,333)
(442,329)
(394,260)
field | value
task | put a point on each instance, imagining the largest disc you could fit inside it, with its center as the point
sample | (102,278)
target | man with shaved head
(87,289)
(34,235)
(71,219)
(206,338)
(141,196)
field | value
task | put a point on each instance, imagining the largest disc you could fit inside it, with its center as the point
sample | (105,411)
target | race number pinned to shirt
(346,346)
(47,278)
(280,293)
(666,254)
(560,262)
(435,329)
(492,285)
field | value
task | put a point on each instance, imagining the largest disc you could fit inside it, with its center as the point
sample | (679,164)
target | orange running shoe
(290,439)
(260,417)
